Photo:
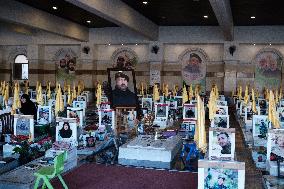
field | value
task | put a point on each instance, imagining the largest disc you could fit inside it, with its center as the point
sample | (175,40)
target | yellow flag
(167,90)
(156,94)
(99,94)
(253,101)
(246,97)
(184,95)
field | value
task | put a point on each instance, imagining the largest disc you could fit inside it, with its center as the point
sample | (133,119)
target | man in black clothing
(121,95)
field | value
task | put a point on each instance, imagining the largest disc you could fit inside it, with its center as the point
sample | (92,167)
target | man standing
(121,95)
(224,142)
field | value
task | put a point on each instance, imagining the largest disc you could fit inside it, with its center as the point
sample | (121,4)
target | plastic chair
(47,173)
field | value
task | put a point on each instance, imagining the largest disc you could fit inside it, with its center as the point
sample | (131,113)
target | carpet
(101,176)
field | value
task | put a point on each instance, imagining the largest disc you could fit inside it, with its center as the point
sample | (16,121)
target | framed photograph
(221,103)
(104,99)
(131,117)
(188,126)
(104,105)
(91,141)
(220,121)
(242,108)
(140,99)
(275,143)
(179,101)
(260,126)
(249,114)
(76,113)
(24,125)
(122,86)
(221,174)
(43,115)
(280,111)
(263,105)
(162,99)
(189,111)
(161,110)
(222,110)
(147,103)
(222,144)
(66,130)
(107,118)
(51,102)
(144,111)
(281,103)
(238,104)
(33,95)
(222,98)
(82,98)
(173,105)
(80,104)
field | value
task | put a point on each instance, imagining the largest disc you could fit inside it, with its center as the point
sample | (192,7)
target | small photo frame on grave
(131,117)
(107,118)
(104,106)
(147,103)
(66,130)
(91,141)
(249,114)
(162,99)
(189,111)
(24,125)
(33,95)
(43,115)
(280,111)
(104,99)
(221,103)
(281,103)
(76,113)
(221,174)
(222,98)
(275,143)
(179,101)
(242,108)
(172,104)
(64,100)
(82,98)
(222,110)
(161,111)
(144,111)
(238,104)
(260,126)
(51,102)
(79,104)
(222,144)
(220,121)
(140,99)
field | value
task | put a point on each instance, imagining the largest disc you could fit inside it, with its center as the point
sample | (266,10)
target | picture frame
(131,117)
(122,86)
(91,141)
(80,104)
(162,99)
(280,112)
(51,102)
(249,114)
(222,103)
(43,115)
(104,106)
(66,130)
(107,118)
(82,98)
(173,105)
(222,110)
(189,112)
(104,99)
(211,173)
(24,125)
(275,143)
(161,111)
(260,126)
(147,103)
(179,101)
(76,113)
(222,144)
(220,121)
(140,99)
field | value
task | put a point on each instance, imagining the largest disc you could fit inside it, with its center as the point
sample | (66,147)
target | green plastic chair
(49,172)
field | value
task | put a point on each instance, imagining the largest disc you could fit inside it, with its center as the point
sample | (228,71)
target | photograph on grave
(79,104)
(161,110)
(179,101)
(91,141)
(43,115)
(104,105)
(220,121)
(147,103)
(173,105)
(82,98)
(222,110)
(24,125)
(76,113)
(140,99)
(280,111)
(221,144)
(260,126)
(275,142)
(122,86)
(263,105)
(221,103)
(188,129)
(66,130)
(131,117)
(189,111)
(218,174)
(107,118)
(51,102)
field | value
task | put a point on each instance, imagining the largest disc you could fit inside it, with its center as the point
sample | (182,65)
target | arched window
(21,67)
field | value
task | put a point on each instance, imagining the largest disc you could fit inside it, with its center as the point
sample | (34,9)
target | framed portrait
(260,126)
(222,98)
(162,99)
(281,103)
(280,111)
(221,103)
(144,111)
(238,104)
(161,110)
(147,103)
(220,121)
(222,110)
(33,95)
(76,113)
(221,174)
(263,105)
(179,101)
(122,85)
(188,126)
(43,115)
(131,117)
(173,105)
(104,99)
(189,111)
(275,143)
(66,130)
(80,104)
(82,98)
(104,105)
(24,125)
(140,99)
(107,118)
(242,108)
(222,144)
(91,141)
(249,114)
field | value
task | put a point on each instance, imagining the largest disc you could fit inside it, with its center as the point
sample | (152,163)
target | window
(21,67)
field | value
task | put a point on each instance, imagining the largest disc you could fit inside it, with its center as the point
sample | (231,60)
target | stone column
(156,59)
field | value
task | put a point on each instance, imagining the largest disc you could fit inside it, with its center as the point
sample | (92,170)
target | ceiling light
(122,44)
(145,2)
(109,44)
(254,44)
(252,17)
(136,44)
(270,44)
(89,21)
(205,16)
(54,8)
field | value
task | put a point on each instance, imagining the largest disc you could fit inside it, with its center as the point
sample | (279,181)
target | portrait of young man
(122,95)
(225,142)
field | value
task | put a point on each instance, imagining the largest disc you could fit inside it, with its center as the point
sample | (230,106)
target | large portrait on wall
(123,88)
(65,63)
(268,68)
(194,67)
(124,58)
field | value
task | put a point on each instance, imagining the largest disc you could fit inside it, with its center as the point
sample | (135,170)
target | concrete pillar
(156,62)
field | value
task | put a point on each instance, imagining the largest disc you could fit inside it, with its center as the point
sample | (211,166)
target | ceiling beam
(17,13)
(223,13)
(121,14)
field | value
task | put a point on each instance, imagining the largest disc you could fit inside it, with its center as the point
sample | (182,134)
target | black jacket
(123,98)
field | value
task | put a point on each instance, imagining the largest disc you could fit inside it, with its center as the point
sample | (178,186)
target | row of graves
(220,168)
(29,144)
(261,120)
